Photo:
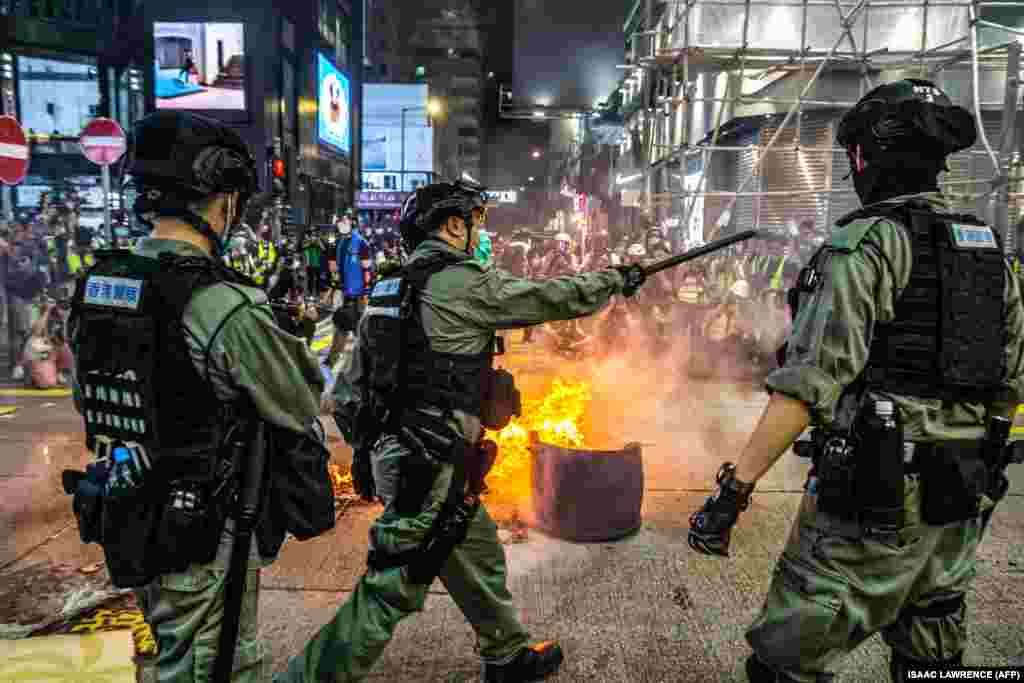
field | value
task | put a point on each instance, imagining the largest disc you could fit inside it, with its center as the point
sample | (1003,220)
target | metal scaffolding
(679,67)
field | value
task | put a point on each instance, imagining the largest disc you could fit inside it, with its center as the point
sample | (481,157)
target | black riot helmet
(899,135)
(426,211)
(176,159)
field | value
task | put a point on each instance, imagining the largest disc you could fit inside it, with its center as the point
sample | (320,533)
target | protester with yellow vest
(265,259)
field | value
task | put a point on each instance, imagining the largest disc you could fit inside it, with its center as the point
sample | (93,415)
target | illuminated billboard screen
(334,99)
(199,66)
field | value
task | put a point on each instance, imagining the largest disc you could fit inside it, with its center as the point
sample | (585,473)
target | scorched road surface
(643,609)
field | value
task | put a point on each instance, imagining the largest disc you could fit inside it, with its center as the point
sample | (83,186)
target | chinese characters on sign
(114,292)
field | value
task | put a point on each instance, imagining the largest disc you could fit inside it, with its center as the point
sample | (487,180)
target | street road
(642,609)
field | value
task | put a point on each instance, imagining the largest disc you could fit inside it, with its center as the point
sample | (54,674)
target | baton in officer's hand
(710,247)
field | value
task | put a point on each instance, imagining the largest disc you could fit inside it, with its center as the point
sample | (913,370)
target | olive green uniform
(835,585)
(254,358)
(461,307)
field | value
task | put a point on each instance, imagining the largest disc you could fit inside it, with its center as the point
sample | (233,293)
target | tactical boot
(533,663)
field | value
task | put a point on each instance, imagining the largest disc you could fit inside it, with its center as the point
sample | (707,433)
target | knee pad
(759,672)
(899,664)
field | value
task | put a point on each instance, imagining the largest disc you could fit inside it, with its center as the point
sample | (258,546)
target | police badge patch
(386,288)
(113,292)
(973,236)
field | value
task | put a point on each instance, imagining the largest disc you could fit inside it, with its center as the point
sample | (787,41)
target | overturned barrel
(587,495)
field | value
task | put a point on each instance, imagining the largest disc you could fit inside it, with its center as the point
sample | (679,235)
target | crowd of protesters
(728,310)
(41,255)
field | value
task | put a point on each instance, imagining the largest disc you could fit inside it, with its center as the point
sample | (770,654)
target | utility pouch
(953,478)
(501,399)
(835,470)
(87,503)
(879,481)
(195,511)
(130,528)
(417,475)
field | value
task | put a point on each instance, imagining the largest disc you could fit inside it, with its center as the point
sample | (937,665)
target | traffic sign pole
(103,142)
(106,206)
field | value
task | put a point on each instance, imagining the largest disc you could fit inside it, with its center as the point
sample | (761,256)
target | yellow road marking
(26,393)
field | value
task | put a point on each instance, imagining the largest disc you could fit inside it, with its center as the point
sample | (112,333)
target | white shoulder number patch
(113,292)
(973,236)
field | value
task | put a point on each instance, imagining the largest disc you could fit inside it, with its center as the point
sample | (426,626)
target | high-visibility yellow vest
(75,262)
(776,282)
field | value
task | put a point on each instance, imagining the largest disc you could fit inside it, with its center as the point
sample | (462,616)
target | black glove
(711,526)
(362,475)
(634,276)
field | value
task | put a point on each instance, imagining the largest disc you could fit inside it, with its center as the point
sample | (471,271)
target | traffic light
(278,172)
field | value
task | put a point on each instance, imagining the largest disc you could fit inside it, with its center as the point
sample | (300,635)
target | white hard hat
(741,289)
(563,237)
(636,250)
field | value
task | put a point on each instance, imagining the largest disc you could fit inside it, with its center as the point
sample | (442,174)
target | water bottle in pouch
(880,468)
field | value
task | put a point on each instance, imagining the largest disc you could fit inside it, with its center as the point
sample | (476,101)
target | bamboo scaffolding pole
(937,58)
(821,67)
(924,39)
(718,120)
(973,13)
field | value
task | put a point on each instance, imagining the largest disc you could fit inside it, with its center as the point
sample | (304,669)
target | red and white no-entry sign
(14,154)
(103,141)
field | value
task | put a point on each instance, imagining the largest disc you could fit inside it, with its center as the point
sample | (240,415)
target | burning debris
(547,472)
(557,418)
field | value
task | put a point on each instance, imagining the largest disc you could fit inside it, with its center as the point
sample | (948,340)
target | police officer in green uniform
(909,407)
(170,346)
(412,402)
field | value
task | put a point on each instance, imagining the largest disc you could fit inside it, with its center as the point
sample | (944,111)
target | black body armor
(405,372)
(141,393)
(946,341)
(131,342)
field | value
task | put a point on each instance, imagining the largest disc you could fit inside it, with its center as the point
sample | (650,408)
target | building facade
(703,134)
(440,43)
(55,76)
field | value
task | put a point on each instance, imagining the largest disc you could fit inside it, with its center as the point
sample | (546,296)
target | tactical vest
(404,372)
(946,340)
(138,379)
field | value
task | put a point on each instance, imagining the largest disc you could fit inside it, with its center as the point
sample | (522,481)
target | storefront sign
(376,199)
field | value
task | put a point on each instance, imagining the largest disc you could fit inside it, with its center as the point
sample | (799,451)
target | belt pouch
(879,482)
(130,523)
(952,481)
(192,523)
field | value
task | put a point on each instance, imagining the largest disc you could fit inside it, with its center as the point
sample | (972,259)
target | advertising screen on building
(199,66)
(333,120)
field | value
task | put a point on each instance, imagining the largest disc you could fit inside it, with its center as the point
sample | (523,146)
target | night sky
(567,50)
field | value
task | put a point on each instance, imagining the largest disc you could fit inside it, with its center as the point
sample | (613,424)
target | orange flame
(342,483)
(558,418)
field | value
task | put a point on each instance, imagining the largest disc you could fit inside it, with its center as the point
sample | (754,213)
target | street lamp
(433,109)
(536,154)
(530,179)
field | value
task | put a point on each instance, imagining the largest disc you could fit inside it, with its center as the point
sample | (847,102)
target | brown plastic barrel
(587,496)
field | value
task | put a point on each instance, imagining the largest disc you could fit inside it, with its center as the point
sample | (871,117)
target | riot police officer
(171,349)
(413,401)
(910,408)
